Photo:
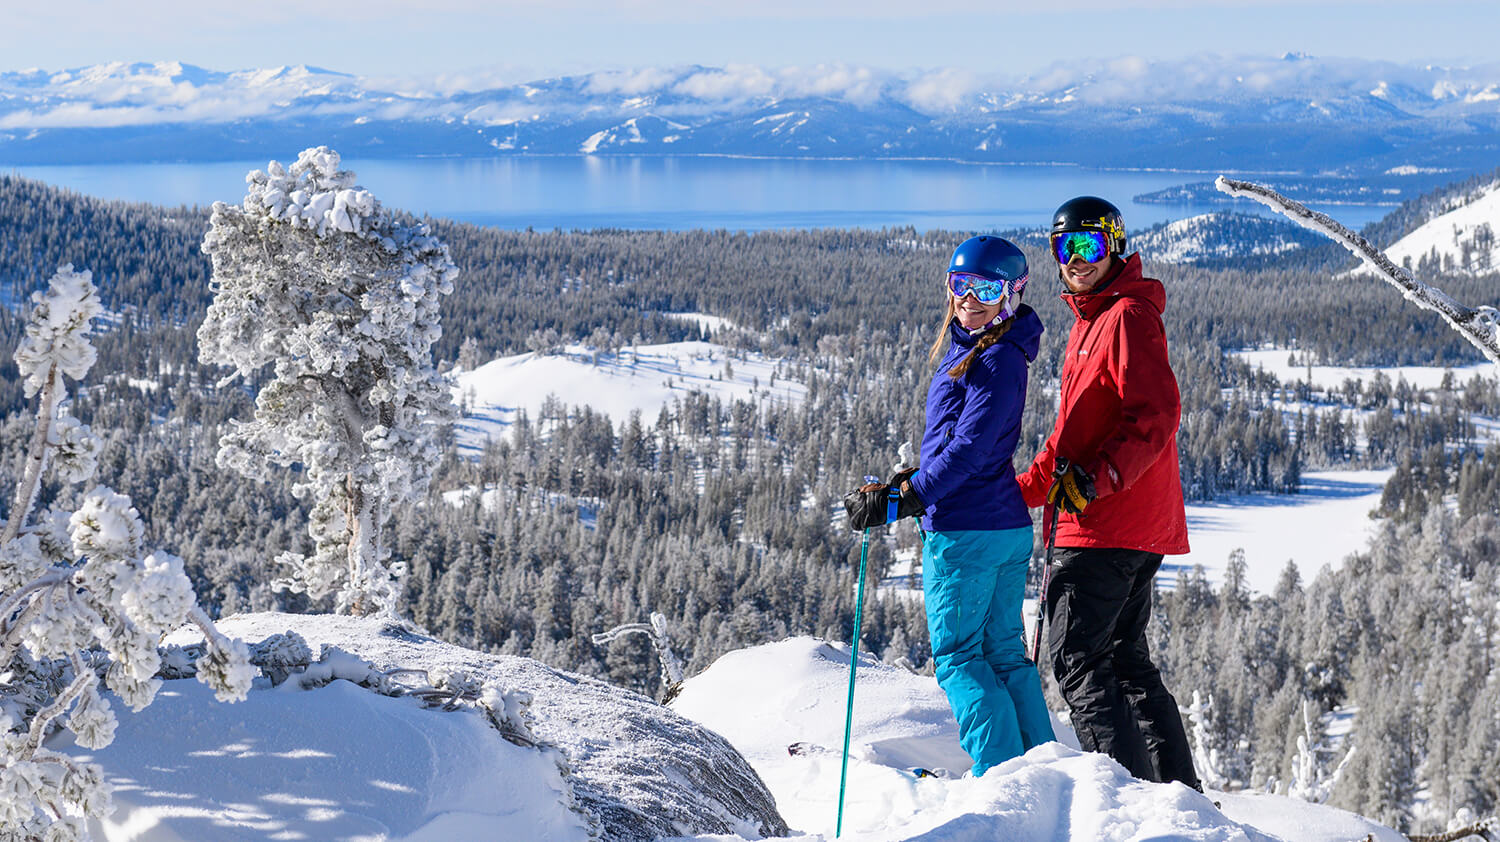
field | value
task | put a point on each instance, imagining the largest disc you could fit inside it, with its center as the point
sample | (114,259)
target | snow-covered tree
(79,596)
(314,277)
(1312,780)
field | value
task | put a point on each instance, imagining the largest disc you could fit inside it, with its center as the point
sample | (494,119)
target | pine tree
(314,277)
(79,595)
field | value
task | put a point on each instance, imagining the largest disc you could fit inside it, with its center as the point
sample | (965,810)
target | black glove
(910,505)
(900,477)
(1073,488)
(869,505)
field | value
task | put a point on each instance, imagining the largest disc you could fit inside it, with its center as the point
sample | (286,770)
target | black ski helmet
(1091,213)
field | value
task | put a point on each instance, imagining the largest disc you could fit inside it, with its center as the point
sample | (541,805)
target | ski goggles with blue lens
(1092,246)
(985,290)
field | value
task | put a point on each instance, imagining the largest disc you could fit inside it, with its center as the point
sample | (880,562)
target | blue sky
(524,39)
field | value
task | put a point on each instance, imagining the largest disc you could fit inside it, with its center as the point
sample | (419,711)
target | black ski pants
(1098,604)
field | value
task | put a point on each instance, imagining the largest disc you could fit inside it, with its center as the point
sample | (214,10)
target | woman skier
(977,541)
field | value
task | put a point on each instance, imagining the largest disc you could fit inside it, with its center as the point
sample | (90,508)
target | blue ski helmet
(996,259)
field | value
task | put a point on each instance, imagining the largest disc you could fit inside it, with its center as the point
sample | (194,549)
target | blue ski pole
(859,604)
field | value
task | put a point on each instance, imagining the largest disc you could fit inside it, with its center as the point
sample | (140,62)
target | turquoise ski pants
(972,583)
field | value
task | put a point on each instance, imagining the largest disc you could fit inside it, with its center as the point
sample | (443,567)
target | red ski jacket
(1118,420)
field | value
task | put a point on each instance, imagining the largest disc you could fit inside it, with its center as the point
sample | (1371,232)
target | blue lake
(682,193)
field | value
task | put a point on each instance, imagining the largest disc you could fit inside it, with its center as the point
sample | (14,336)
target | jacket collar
(1025,333)
(1127,282)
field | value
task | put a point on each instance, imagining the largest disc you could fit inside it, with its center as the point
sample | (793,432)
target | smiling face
(972,315)
(1081,276)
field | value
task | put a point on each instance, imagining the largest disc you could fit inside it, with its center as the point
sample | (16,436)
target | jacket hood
(1127,283)
(1025,333)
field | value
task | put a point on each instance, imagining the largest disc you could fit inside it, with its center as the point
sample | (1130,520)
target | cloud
(119,94)
(629,82)
(734,82)
(859,85)
(942,90)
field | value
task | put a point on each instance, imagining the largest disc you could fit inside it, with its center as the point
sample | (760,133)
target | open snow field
(641,378)
(1275,362)
(1316,528)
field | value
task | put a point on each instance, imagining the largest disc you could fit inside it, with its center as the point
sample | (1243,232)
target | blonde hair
(987,340)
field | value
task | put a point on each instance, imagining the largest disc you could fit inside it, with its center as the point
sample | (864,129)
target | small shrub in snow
(313,277)
(510,712)
(78,596)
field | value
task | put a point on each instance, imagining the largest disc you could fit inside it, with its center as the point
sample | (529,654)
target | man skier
(1110,467)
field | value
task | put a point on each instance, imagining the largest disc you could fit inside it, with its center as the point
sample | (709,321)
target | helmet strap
(1005,313)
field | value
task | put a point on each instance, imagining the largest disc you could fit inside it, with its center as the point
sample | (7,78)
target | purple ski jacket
(967,479)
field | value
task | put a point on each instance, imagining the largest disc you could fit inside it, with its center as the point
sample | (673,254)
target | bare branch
(1479,325)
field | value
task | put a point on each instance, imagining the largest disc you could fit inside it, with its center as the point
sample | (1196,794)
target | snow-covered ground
(342,763)
(1316,528)
(1276,363)
(637,378)
(766,698)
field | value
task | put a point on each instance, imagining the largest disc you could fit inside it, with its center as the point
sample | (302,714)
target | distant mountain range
(1295,114)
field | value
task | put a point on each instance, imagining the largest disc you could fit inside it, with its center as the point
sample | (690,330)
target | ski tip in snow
(807,749)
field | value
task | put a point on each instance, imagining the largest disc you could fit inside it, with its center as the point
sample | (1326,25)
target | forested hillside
(723,516)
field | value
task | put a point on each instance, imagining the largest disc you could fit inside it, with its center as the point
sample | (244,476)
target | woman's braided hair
(986,340)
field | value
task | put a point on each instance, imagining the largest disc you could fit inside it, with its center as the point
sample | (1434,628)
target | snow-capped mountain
(1293,113)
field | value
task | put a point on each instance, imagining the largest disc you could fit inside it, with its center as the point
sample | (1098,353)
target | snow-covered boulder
(642,771)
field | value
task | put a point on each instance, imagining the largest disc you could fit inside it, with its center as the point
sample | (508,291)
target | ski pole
(1041,595)
(859,604)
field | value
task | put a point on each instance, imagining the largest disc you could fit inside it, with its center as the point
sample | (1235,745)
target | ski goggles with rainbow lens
(1092,246)
(985,290)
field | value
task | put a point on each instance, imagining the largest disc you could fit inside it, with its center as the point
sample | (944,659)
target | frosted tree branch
(1479,325)
(78,589)
(36,458)
(83,677)
(656,630)
(1488,830)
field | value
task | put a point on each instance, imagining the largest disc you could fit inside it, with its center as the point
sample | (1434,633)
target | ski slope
(1464,236)
(641,379)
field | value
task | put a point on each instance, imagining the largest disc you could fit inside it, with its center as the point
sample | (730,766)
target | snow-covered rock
(282,760)
(342,762)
